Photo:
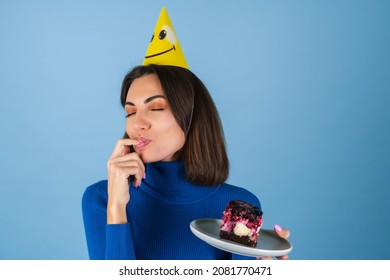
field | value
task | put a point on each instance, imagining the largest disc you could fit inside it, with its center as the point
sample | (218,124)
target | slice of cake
(241,223)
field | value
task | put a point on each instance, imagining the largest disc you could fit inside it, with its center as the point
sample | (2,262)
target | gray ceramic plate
(268,244)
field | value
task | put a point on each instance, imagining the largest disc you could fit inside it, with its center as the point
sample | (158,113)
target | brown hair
(204,152)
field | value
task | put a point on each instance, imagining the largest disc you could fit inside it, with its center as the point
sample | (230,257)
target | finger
(124,161)
(120,146)
(126,150)
(128,174)
(282,232)
(133,157)
(285,257)
(130,168)
(264,258)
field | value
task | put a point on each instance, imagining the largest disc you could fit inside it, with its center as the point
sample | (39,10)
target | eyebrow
(147,100)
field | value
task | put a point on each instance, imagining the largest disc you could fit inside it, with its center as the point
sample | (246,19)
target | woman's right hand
(121,165)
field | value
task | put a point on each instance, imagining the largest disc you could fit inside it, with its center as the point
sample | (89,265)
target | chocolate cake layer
(244,240)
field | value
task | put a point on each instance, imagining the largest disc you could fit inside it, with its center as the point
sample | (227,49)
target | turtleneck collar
(167,181)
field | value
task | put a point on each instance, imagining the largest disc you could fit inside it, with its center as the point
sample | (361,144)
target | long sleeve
(119,243)
(104,241)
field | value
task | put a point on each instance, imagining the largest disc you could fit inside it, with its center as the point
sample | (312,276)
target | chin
(148,159)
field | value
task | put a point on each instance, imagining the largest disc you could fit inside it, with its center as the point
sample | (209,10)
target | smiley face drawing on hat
(164,47)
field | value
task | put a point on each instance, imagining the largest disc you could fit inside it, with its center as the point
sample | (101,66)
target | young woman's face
(149,119)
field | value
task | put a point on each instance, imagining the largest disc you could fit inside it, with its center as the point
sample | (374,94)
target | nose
(140,122)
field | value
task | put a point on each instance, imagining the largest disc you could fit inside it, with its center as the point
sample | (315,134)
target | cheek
(128,128)
(177,139)
(173,126)
(172,131)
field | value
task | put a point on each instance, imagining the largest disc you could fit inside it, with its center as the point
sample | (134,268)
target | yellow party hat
(164,48)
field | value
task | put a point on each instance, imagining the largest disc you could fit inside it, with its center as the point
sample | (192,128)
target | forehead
(144,87)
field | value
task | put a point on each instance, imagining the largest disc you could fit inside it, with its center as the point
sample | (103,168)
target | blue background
(302,88)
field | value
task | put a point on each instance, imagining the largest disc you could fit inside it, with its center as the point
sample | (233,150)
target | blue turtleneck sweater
(159,214)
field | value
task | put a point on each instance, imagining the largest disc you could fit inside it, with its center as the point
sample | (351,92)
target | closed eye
(153,110)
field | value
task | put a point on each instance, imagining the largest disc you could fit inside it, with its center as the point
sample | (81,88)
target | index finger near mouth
(121,144)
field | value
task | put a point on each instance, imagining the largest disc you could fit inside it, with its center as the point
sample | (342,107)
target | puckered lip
(143,142)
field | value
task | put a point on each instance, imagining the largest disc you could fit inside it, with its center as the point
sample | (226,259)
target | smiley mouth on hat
(160,53)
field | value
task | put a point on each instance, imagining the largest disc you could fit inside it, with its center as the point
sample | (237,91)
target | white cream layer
(241,230)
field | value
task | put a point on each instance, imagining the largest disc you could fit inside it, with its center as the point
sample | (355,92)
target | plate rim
(233,247)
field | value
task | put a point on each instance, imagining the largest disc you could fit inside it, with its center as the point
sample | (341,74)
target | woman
(177,173)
